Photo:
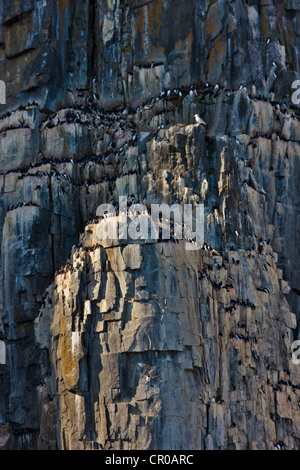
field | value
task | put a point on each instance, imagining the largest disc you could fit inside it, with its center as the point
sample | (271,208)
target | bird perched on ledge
(199,120)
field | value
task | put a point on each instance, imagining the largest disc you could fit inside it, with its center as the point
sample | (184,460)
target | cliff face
(147,345)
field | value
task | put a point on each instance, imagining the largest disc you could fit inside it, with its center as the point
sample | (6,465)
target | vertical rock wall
(149,345)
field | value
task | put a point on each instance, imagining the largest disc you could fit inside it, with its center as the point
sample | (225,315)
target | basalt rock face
(114,344)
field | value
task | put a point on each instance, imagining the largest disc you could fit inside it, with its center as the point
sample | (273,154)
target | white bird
(204,188)
(199,120)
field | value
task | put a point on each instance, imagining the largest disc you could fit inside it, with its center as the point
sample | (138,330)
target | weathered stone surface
(142,345)
(180,354)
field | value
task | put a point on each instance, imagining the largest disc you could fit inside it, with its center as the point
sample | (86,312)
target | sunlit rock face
(122,344)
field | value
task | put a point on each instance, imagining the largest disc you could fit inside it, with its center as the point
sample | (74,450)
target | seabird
(204,188)
(199,120)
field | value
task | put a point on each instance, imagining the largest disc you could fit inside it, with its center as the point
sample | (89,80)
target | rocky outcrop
(147,337)
(149,345)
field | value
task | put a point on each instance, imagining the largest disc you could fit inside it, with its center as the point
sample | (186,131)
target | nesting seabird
(199,120)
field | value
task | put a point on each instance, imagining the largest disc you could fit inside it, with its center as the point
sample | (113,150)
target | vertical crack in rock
(92,40)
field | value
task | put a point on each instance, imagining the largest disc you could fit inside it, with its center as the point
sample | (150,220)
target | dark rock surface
(89,118)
